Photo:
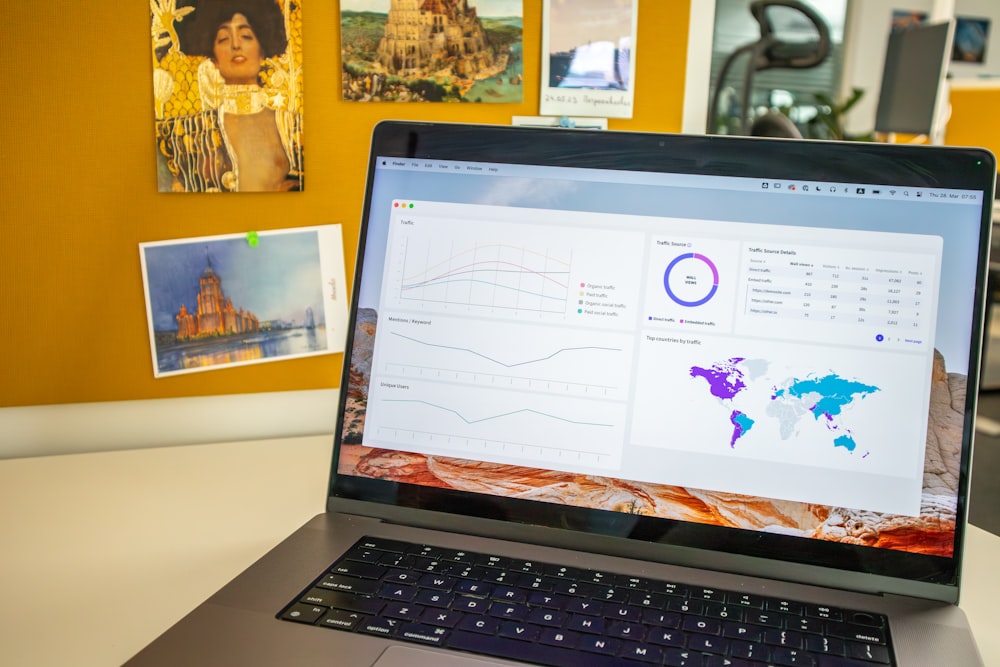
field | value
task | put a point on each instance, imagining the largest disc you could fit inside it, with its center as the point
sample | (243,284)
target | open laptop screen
(772,338)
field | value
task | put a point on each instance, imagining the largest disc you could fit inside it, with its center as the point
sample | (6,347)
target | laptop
(618,398)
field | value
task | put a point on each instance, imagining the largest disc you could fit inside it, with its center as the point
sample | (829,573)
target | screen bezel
(918,166)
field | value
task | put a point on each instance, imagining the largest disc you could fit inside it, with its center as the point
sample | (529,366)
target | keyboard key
(786,638)
(503,610)
(437,582)
(647,600)
(403,611)
(338,582)
(724,612)
(708,644)
(473,572)
(557,637)
(748,650)
(338,618)
(480,624)
(686,606)
(576,588)
(619,595)
(596,644)
(588,624)
(805,624)
(319,596)
(635,584)
(792,658)
(385,627)
(585,607)
(750,633)
(526,566)
(869,652)
(547,601)
(866,618)
(358,569)
(535,582)
(509,594)
(827,613)
(562,572)
(364,555)
(471,604)
(304,613)
(423,634)
(441,617)
(720,661)
(831,661)
(622,612)
(524,632)
(708,595)
(661,619)
(486,560)
(358,603)
(456,556)
(784,607)
(705,626)
(642,652)
(383,544)
(434,598)
(860,633)
(764,618)
(825,645)
(674,657)
(397,576)
(547,617)
(474,588)
(393,591)
(633,631)
(669,588)
(424,551)
(745,600)
(537,652)
(666,637)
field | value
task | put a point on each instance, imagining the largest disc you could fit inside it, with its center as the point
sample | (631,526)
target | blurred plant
(828,123)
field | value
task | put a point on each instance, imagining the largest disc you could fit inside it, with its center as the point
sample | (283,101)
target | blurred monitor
(916,63)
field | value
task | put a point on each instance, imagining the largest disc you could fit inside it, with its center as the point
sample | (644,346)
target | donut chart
(698,263)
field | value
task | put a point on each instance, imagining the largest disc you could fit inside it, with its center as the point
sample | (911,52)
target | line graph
(480,420)
(496,425)
(514,364)
(494,274)
(508,355)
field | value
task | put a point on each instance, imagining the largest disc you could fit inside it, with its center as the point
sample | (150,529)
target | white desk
(103,552)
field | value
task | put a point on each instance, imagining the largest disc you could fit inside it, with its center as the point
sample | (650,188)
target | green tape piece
(253,239)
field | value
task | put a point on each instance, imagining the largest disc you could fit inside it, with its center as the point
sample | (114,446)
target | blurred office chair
(769,52)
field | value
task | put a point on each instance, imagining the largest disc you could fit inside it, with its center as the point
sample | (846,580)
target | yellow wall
(973,120)
(78,188)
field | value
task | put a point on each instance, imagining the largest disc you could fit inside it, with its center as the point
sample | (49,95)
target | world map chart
(745,388)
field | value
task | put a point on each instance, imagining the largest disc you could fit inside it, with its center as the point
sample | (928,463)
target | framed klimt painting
(227,88)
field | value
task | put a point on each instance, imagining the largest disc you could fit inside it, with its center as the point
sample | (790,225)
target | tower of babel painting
(425,36)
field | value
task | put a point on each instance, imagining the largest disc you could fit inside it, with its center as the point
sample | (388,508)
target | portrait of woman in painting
(227,94)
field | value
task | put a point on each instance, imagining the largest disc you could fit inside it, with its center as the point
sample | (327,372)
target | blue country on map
(744,388)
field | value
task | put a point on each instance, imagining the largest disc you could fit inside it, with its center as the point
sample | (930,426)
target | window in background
(792,91)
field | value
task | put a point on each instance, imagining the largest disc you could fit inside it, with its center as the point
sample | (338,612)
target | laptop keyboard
(549,614)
